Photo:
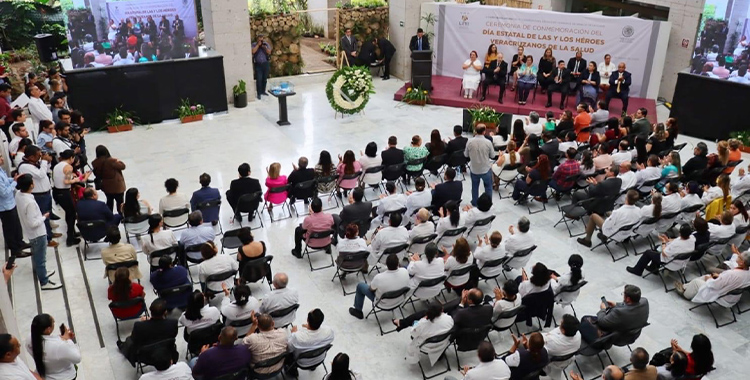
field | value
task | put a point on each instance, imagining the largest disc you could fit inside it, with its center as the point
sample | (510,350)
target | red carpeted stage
(446,92)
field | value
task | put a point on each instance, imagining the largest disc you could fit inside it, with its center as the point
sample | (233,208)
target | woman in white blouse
(539,281)
(505,300)
(241,309)
(371,159)
(434,323)
(351,243)
(510,157)
(55,356)
(649,211)
(215,264)
(450,221)
(427,269)
(157,238)
(199,313)
(472,75)
(606,69)
(474,214)
(491,250)
(573,277)
(460,257)
(715,192)
(741,218)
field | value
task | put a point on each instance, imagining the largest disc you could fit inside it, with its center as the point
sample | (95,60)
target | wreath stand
(343,59)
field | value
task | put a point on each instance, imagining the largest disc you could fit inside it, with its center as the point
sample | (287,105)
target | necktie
(575,69)
(559,75)
(419,44)
(618,84)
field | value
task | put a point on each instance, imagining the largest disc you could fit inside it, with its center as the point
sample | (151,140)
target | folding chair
(449,237)
(377,306)
(192,261)
(444,338)
(200,337)
(644,230)
(352,263)
(249,204)
(414,174)
(397,249)
(569,289)
(92,231)
(124,264)
(468,339)
(537,188)
(457,273)
(492,264)
(596,347)
(211,211)
(365,186)
(268,363)
(387,214)
(395,173)
(319,353)
(434,165)
(625,339)
(644,190)
(230,240)
(218,277)
(303,188)
(698,254)
(573,212)
(430,290)
(458,162)
(345,177)
(736,292)
(563,362)
(176,219)
(310,248)
(119,305)
(669,266)
(484,227)
(418,243)
(257,269)
(285,312)
(154,256)
(175,293)
(266,204)
(666,222)
(240,374)
(622,241)
(144,354)
(513,169)
(558,194)
(330,179)
(136,226)
(520,257)
(508,314)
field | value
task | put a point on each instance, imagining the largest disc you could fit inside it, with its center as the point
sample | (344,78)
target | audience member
(197,233)
(340,369)
(55,356)
(572,278)
(449,190)
(135,206)
(612,372)
(311,336)
(204,194)
(520,240)
(627,215)
(479,150)
(392,155)
(393,201)
(651,260)
(457,143)
(37,166)
(675,369)
(357,211)
(223,358)
(417,199)
(11,224)
(215,264)
(280,298)
(325,170)
(489,248)
(394,279)
(12,367)
(348,165)
(123,290)
(274,180)
(489,368)
(423,225)
(472,215)
(459,258)
(173,201)
(199,313)
(641,369)
(450,219)
(151,330)
(434,323)
(561,341)
(265,342)
(715,287)
(386,237)
(613,317)
(370,159)
(242,186)
(243,307)
(90,208)
(317,221)
(157,239)
(526,355)
(249,251)
(300,174)
(170,276)
(167,368)
(701,360)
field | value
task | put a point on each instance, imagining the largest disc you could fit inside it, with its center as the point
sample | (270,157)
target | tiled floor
(219,144)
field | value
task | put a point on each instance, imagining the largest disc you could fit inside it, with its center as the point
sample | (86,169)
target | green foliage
(327,48)
(485,114)
(369,3)
(239,88)
(59,34)
(348,91)
(292,68)
(187,109)
(416,96)
(743,136)
(265,8)
(16,27)
(119,117)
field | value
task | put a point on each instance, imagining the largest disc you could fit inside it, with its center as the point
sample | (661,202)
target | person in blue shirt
(169,276)
(205,194)
(9,214)
(91,208)
(261,53)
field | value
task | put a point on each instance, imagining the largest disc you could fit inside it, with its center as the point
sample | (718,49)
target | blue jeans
(39,258)
(486,178)
(45,205)
(261,79)
(359,297)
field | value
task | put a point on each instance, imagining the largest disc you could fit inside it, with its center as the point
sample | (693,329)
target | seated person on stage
(394,279)
(711,287)
(560,81)
(223,358)
(449,190)
(495,72)
(154,329)
(123,290)
(241,186)
(562,341)
(280,298)
(169,276)
(577,67)
(173,200)
(589,86)
(317,221)
(301,173)
(118,252)
(196,233)
(90,208)
(472,75)
(489,367)
(386,237)
(626,215)
(264,342)
(310,336)
(526,79)
(619,87)
(606,69)
(518,59)
(622,317)
(204,194)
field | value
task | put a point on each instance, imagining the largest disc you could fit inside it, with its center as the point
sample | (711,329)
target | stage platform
(445,92)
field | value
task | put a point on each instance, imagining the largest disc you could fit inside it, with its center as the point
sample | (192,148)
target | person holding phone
(55,356)
(624,317)
(261,53)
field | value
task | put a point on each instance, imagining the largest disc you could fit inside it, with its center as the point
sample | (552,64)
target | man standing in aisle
(261,54)
(37,165)
(9,214)
(32,223)
(419,42)
(480,151)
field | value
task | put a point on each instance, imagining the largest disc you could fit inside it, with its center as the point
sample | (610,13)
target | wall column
(226,25)
(407,12)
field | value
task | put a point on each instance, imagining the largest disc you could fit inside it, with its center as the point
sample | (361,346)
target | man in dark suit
(301,174)
(204,194)
(90,208)
(458,143)
(622,317)
(419,42)
(449,190)
(495,74)
(349,46)
(392,155)
(178,29)
(387,50)
(560,79)
(602,193)
(471,312)
(152,330)
(241,186)
(619,87)
(576,66)
(356,211)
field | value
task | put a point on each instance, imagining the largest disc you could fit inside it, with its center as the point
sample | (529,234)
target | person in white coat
(434,323)
(562,341)
(573,277)
(471,215)
(689,198)
(459,258)
(626,215)
(714,287)
(489,249)
(384,238)
(519,240)
(55,356)
(489,367)
(741,185)
(505,299)
(242,308)
(417,199)
(393,201)
(429,268)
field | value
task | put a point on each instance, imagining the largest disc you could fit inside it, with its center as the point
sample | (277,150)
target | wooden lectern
(421,69)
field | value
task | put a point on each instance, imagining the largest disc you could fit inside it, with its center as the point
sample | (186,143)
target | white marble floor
(219,144)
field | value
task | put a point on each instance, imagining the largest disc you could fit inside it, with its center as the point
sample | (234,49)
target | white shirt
(671,203)
(726,282)
(306,340)
(392,202)
(526,287)
(713,192)
(535,128)
(417,200)
(280,299)
(557,344)
(648,173)
(233,312)
(494,370)
(426,329)
(13,144)
(60,357)
(38,110)
(623,216)
(369,162)
(422,229)
(444,224)
(60,145)
(17,370)
(161,240)
(38,175)
(389,281)
(215,265)
(676,247)
(505,305)
(628,180)
(606,70)
(565,280)
(352,245)
(687,201)
(452,264)
(486,253)
(209,316)
(178,371)
(422,270)
(621,156)
(32,221)
(518,242)
(471,217)
(740,186)
(718,232)
(173,202)
(386,238)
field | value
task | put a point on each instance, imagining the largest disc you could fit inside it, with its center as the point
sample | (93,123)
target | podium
(421,69)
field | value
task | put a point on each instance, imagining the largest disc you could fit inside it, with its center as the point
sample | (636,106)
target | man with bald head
(612,372)
(280,298)
(267,343)
(224,358)
(467,312)
(301,173)
(619,87)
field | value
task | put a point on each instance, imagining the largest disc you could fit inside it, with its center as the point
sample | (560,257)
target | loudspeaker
(45,46)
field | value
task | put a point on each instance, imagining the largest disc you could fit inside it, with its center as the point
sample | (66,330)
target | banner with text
(141,9)
(462,28)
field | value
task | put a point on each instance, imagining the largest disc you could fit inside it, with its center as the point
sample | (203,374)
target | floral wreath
(349,89)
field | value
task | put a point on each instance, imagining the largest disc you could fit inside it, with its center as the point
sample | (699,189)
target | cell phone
(63,329)
(11,262)
(604,301)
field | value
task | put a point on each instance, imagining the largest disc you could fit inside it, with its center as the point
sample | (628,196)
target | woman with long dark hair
(325,168)
(348,165)
(425,269)
(199,313)
(450,219)
(526,355)
(134,205)
(540,171)
(157,238)
(55,356)
(573,277)
(122,289)
(675,369)
(519,134)
(538,282)
(435,323)
(436,146)
(340,369)
(109,178)
(701,360)
(251,250)
(243,306)
(215,264)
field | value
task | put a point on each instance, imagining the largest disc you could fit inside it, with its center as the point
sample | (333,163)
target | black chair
(352,263)
(364,186)
(569,289)
(304,188)
(175,293)
(457,161)
(124,264)
(697,256)
(191,261)
(210,208)
(629,337)
(240,374)
(622,241)
(458,273)
(468,339)
(387,214)
(558,194)
(414,174)
(92,231)
(515,256)
(395,173)
(452,233)
(377,306)
(537,188)
(680,272)
(492,264)
(181,213)
(397,249)
(268,363)
(319,353)
(434,165)
(644,229)
(267,206)
(481,223)
(258,269)
(230,240)
(330,179)
(144,355)
(567,360)
(735,292)
(135,225)
(514,170)
(508,314)
(603,344)
(204,336)
(281,313)
(154,256)
(420,242)
(119,305)
(218,277)
(249,204)
(241,323)
(442,339)
(426,284)
(356,175)
(314,248)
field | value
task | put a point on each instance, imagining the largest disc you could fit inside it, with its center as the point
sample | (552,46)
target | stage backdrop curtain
(461,28)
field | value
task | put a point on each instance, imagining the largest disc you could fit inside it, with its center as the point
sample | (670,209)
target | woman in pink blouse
(348,165)
(275,179)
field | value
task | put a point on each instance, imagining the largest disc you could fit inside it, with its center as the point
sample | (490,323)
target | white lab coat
(424,330)
(725,283)
(623,216)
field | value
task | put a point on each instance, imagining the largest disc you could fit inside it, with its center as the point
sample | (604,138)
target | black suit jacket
(624,86)
(458,144)
(386,47)
(425,43)
(240,187)
(610,187)
(148,332)
(581,65)
(299,176)
(89,209)
(356,211)
(503,73)
(565,75)
(472,316)
(392,156)
(349,48)
(594,77)
(446,191)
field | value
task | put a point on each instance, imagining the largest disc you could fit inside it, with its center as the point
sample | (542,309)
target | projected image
(723,44)
(132,31)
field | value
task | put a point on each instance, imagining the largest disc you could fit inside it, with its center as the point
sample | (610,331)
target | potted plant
(485,115)
(189,112)
(240,94)
(416,96)
(744,138)
(119,120)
